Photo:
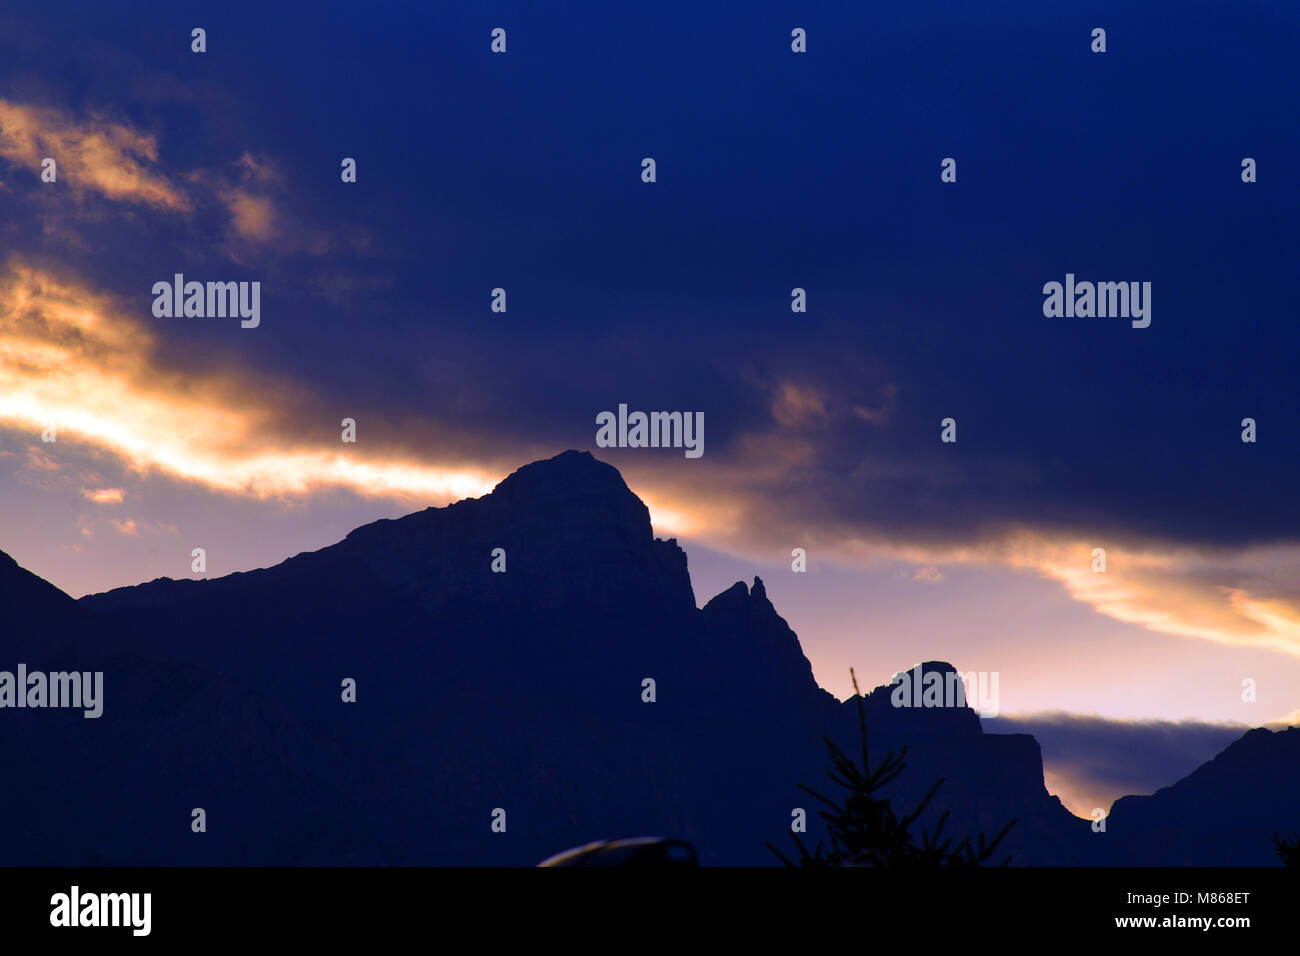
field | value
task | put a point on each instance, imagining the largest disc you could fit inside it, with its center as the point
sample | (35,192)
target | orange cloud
(40,462)
(77,359)
(94,155)
(1078,793)
(252,217)
(1230,597)
(254,195)
(795,406)
(105,496)
(1286,720)
(133,528)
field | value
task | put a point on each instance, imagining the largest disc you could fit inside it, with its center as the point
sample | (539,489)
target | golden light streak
(105,496)
(667,519)
(74,360)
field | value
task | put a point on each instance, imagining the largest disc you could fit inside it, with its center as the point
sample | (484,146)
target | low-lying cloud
(1089,762)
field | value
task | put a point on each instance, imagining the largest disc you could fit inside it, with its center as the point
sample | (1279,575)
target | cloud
(38,461)
(115,161)
(814,472)
(93,155)
(252,217)
(1286,720)
(1091,761)
(796,405)
(104,496)
(1241,597)
(253,213)
(257,169)
(135,527)
(255,197)
(76,358)
(1246,596)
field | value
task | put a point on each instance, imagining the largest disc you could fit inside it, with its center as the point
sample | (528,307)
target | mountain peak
(570,473)
(18,584)
(581,487)
(32,606)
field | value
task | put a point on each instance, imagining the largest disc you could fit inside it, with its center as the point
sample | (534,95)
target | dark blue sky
(775,170)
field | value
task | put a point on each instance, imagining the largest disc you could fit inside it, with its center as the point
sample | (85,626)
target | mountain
(476,691)
(988,779)
(520,690)
(35,612)
(119,788)
(1224,813)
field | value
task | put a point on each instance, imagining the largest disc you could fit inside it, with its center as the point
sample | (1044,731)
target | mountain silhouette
(480,691)
(1224,813)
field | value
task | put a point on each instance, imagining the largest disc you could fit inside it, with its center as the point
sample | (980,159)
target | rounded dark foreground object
(641,851)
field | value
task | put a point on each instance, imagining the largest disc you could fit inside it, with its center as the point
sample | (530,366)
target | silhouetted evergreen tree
(865,830)
(1288,849)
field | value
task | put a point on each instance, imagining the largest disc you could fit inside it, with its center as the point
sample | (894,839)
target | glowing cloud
(1226,597)
(105,496)
(252,217)
(73,359)
(95,155)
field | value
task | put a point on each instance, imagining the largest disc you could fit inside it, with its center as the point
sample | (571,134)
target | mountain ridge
(478,689)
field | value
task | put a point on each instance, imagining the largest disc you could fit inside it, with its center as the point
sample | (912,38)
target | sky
(775,170)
